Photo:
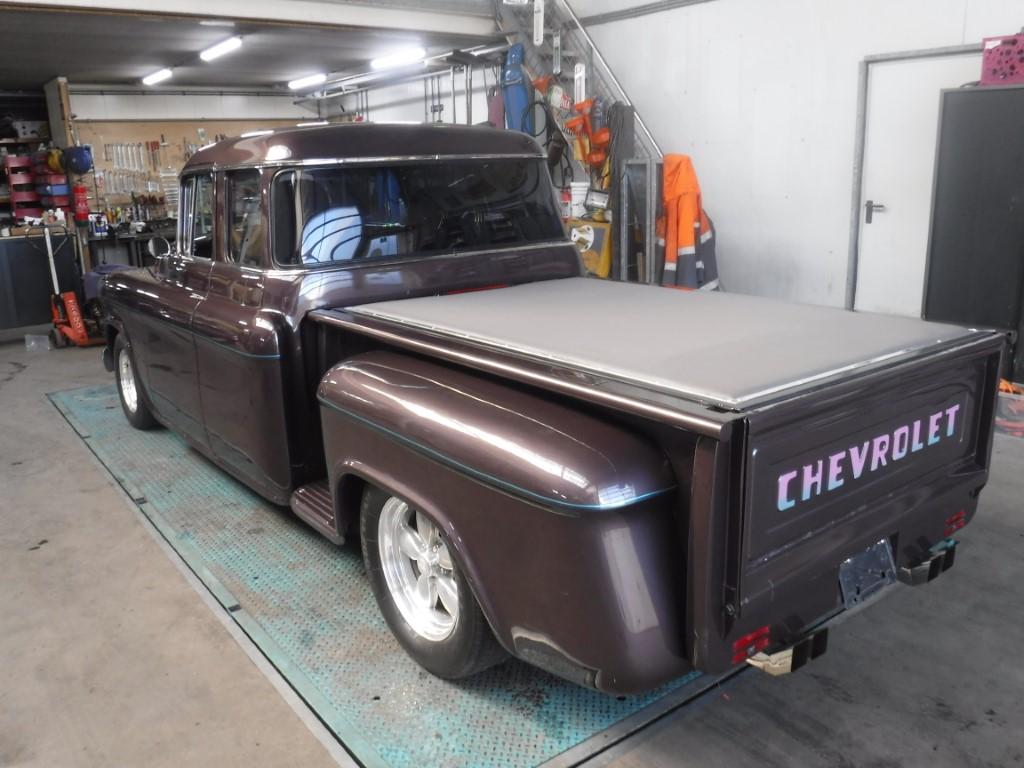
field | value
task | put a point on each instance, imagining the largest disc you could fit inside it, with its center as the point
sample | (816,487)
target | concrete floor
(108,656)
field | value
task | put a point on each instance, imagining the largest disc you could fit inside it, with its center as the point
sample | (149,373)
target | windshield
(338,215)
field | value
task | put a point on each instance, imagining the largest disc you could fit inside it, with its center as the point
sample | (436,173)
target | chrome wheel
(127,378)
(418,570)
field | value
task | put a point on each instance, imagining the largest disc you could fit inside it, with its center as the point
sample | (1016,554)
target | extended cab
(386,329)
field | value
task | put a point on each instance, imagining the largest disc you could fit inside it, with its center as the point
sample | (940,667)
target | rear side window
(345,214)
(245,225)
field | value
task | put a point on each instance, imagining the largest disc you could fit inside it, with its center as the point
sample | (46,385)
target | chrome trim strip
(701,397)
(299,269)
(236,350)
(328,161)
(484,476)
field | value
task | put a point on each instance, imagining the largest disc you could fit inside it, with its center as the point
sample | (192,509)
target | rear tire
(420,590)
(129,390)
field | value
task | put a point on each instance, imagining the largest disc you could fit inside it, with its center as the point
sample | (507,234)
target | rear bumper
(922,551)
(782,661)
(938,560)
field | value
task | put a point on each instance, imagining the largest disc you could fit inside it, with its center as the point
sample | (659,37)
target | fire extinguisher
(81,195)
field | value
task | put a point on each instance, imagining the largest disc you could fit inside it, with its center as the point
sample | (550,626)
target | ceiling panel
(120,49)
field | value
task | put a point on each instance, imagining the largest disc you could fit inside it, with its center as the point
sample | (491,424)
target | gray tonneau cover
(720,349)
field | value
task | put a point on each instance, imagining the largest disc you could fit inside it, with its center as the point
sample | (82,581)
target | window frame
(264,261)
(392,260)
(186,233)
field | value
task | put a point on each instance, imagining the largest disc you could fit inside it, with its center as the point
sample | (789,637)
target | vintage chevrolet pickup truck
(385,328)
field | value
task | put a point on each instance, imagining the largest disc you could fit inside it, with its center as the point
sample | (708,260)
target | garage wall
(191,106)
(403,102)
(764,96)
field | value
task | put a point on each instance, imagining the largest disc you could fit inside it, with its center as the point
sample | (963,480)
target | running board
(313,503)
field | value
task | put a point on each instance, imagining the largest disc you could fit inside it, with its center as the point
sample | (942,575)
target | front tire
(129,390)
(420,590)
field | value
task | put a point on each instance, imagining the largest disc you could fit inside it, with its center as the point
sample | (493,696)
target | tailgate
(892,454)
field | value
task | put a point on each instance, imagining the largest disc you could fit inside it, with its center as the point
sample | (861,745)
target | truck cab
(276,225)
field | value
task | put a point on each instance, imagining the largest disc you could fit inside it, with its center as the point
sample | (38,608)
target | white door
(899,158)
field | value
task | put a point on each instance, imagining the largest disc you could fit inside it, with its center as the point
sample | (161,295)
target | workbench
(122,248)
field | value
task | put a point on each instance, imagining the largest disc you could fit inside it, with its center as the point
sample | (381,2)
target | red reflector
(955,522)
(751,643)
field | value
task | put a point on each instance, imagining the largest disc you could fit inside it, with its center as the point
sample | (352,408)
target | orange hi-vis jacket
(685,233)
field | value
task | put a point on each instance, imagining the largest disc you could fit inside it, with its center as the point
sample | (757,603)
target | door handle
(869,209)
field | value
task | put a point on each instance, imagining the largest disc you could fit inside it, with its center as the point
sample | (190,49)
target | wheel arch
(112,328)
(353,480)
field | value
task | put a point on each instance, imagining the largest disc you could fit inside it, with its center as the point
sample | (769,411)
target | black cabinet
(975,273)
(25,282)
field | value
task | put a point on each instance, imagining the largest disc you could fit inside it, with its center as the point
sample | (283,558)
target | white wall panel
(763,95)
(160,106)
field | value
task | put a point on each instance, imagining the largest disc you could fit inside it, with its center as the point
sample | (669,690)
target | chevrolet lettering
(830,473)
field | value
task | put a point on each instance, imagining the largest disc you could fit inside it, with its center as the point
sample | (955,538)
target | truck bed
(725,350)
(802,437)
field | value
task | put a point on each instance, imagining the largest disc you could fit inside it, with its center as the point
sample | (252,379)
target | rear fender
(514,442)
(561,521)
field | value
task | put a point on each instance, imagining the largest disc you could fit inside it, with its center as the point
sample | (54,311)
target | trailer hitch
(939,560)
(791,659)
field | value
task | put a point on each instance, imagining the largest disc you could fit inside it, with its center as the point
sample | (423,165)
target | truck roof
(363,141)
(718,349)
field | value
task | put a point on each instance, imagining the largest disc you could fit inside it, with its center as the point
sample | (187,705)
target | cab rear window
(342,215)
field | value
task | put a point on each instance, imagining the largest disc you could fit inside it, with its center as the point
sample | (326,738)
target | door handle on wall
(869,209)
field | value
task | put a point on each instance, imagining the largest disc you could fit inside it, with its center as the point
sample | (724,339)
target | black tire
(470,647)
(141,417)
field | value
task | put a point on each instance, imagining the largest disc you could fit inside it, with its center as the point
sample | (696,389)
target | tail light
(751,643)
(955,522)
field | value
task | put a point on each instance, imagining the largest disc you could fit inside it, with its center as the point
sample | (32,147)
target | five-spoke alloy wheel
(418,570)
(420,589)
(133,403)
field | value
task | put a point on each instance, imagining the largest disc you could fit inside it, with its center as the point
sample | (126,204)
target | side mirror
(158,246)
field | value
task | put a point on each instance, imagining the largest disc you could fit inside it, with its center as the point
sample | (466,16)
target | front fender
(561,521)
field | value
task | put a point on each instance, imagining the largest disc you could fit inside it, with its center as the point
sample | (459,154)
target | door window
(202,218)
(246,230)
(185,199)
(195,216)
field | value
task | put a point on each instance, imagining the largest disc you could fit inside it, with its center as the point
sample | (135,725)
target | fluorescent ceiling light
(399,58)
(253,134)
(306,82)
(311,122)
(218,50)
(216,23)
(157,77)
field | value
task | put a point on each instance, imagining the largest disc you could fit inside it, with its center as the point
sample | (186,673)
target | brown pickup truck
(385,328)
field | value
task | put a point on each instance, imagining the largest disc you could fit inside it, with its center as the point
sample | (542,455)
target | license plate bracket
(867,573)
